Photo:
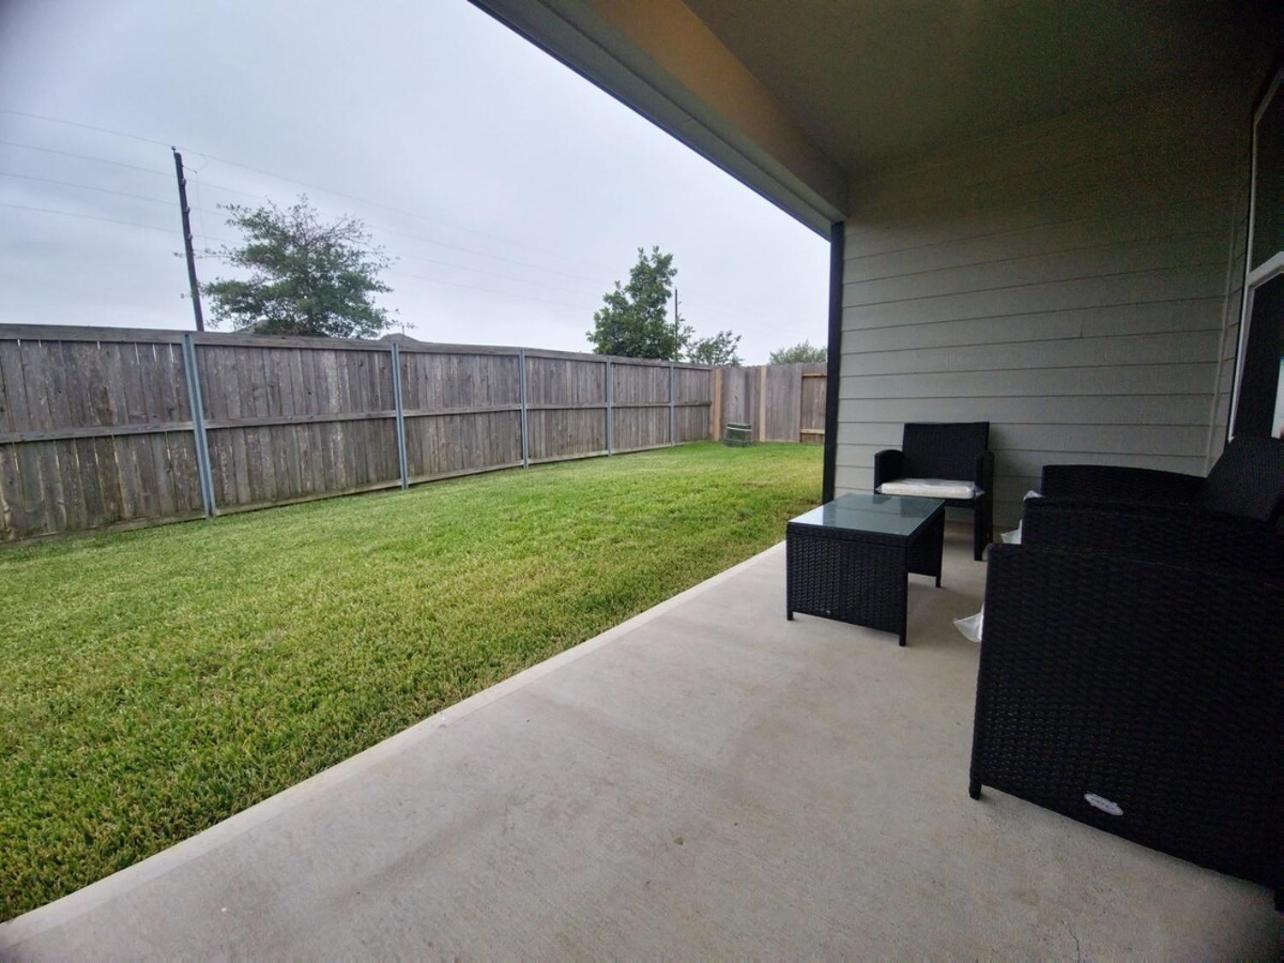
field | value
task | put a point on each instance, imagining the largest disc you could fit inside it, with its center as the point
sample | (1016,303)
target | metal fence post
(610,418)
(198,426)
(673,439)
(521,363)
(401,417)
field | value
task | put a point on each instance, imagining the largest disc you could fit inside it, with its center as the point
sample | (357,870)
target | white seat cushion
(929,488)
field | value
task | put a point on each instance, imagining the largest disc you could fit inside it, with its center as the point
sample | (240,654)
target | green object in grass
(737,435)
(153,683)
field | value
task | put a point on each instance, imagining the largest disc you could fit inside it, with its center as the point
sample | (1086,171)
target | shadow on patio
(704,780)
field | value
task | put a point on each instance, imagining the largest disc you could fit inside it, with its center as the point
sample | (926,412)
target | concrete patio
(706,780)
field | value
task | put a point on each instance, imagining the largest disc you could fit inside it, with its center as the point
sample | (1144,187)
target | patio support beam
(834,357)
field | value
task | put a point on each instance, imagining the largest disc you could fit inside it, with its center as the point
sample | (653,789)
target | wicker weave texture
(1152,686)
(1247,480)
(956,450)
(859,577)
(1186,536)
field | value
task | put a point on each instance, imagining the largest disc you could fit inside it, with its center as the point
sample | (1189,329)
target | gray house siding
(1070,281)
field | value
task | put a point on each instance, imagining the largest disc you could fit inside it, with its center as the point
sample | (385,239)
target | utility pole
(677,329)
(187,240)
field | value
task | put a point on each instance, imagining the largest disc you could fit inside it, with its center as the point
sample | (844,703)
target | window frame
(1270,268)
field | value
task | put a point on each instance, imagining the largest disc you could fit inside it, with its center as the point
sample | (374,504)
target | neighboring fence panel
(566,405)
(97,428)
(290,422)
(463,412)
(739,397)
(693,389)
(94,433)
(811,418)
(640,406)
(784,402)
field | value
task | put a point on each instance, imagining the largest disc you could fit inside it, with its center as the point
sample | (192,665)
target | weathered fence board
(92,434)
(97,427)
(784,402)
(811,418)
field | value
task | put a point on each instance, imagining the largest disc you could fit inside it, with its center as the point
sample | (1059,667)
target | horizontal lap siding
(1067,282)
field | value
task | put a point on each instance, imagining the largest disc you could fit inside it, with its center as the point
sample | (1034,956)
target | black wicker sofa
(1133,660)
(1247,480)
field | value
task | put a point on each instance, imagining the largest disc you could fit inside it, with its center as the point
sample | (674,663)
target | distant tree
(306,276)
(634,319)
(803,351)
(716,349)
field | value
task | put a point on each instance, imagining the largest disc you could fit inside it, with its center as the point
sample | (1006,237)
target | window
(1257,407)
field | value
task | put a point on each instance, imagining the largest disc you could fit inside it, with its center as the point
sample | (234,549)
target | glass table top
(865,512)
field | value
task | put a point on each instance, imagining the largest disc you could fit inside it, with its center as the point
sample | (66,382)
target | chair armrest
(1153,686)
(1118,483)
(1175,533)
(888,465)
(984,477)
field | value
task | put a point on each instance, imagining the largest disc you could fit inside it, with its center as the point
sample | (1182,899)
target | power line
(493,274)
(283,178)
(471,250)
(473,287)
(73,123)
(83,187)
(90,157)
(404,274)
(267,173)
(96,217)
(87,217)
(261,196)
(377,228)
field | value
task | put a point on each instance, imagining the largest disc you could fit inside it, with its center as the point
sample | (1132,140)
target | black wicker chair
(1129,678)
(951,451)
(1247,480)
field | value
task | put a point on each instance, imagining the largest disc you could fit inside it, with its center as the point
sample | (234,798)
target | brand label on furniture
(1105,805)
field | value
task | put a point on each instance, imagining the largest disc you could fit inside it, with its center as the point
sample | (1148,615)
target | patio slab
(706,779)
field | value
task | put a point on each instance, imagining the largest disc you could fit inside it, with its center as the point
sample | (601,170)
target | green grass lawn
(155,682)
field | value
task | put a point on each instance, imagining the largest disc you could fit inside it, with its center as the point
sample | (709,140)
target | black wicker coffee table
(850,559)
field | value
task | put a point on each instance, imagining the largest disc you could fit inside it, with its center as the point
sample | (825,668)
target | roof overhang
(658,58)
(806,100)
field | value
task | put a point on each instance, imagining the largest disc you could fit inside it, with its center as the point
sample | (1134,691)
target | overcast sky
(512,191)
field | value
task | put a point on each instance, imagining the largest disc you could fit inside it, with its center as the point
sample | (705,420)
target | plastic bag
(1014,537)
(972,626)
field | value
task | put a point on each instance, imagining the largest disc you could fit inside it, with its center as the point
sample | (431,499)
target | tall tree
(306,276)
(803,351)
(720,348)
(634,320)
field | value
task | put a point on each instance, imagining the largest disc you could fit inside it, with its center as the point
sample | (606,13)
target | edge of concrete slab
(66,908)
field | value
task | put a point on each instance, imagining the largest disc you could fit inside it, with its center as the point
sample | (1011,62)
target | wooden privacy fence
(111,427)
(783,402)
